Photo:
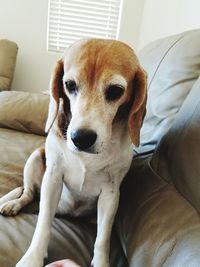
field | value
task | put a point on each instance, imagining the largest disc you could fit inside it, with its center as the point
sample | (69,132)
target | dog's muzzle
(83,139)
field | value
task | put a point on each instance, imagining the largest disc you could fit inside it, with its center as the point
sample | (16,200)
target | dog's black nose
(83,139)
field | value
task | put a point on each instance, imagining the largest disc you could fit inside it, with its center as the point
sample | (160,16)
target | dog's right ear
(138,109)
(56,91)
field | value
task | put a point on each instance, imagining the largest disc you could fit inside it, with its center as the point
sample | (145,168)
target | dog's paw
(10,208)
(99,265)
(99,262)
(29,262)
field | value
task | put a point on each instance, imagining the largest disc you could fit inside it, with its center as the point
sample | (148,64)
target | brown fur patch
(43,155)
(63,117)
(101,59)
(96,61)
(78,204)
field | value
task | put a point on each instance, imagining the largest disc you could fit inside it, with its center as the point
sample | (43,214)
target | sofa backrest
(173,65)
(177,157)
(24,111)
(8,54)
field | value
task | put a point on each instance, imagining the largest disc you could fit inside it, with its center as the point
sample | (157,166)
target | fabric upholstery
(177,157)
(156,225)
(8,54)
(25,112)
(173,66)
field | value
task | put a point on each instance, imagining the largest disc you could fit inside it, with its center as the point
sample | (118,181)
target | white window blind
(71,20)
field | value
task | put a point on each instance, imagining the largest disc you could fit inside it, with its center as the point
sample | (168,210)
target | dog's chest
(85,178)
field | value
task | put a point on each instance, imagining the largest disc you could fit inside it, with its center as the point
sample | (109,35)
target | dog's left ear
(138,108)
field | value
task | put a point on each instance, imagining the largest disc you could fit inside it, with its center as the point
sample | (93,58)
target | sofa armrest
(8,55)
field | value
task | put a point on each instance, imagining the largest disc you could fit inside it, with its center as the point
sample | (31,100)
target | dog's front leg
(50,194)
(106,210)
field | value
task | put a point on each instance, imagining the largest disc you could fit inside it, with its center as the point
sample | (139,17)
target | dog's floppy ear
(138,108)
(56,91)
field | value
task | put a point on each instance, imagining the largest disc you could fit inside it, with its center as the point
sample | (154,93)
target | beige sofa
(158,223)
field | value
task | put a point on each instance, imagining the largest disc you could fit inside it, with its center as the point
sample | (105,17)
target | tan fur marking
(43,155)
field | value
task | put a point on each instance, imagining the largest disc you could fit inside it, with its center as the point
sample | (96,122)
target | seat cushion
(156,225)
(73,239)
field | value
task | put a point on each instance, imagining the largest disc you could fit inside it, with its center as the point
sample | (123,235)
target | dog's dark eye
(114,92)
(71,86)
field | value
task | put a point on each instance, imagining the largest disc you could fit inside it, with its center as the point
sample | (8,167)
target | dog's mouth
(91,150)
(88,151)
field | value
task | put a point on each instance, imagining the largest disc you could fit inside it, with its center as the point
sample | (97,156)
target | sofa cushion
(8,54)
(72,239)
(22,111)
(157,226)
(177,158)
(173,66)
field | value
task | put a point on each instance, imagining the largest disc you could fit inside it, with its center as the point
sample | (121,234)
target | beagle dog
(97,105)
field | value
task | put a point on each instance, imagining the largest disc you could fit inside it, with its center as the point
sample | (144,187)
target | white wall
(24,21)
(165,17)
(131,19)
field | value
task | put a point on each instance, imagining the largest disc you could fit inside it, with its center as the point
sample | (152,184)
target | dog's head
(95,85)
